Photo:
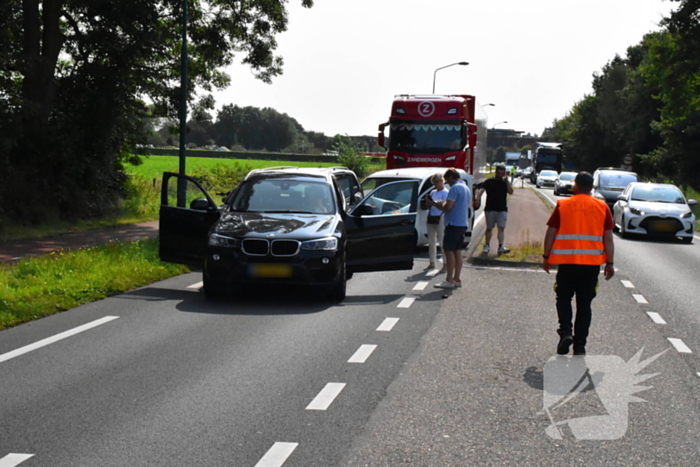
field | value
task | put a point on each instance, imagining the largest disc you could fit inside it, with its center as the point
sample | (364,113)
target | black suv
(288,225)
(609,183)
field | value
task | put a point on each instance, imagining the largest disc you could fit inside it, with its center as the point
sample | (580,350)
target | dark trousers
(582,281)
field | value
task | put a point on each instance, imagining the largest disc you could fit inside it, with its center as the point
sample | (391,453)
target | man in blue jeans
(456,210)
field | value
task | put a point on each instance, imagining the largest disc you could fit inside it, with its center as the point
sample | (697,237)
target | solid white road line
(627,284)
(278,453)
(421,285)
(326,397)
(639,298)
(680,345)
(432,272)
(388,324)
(11,460)
(656,317)
(362,354)
(50,340)
(406,302)
(198,285)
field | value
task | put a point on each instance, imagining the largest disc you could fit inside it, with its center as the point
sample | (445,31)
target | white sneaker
(487,249)
(457,284)
(445,285)
(502,250)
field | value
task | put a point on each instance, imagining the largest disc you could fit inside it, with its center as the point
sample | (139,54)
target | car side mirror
(622,197)
(363,210)
(692,202)
(199,204)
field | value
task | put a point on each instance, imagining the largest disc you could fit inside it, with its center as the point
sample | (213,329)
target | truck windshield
(547,158)
(426,137)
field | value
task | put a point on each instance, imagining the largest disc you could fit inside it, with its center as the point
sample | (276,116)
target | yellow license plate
(270,270)
(665,226)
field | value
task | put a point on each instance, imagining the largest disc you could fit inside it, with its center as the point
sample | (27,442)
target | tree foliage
(646,104)
(74,75)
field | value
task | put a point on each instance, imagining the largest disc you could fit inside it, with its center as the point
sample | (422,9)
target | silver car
(565,183)
(546,178)
(654,209)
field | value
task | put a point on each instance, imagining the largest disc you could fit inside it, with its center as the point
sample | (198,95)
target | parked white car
(654,209)
(422,174)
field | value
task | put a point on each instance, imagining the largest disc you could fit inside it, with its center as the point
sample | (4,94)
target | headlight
(686,215)
(636,211)
(330,243)
(222,240)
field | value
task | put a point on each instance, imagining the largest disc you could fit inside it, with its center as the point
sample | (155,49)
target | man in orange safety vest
(579,240)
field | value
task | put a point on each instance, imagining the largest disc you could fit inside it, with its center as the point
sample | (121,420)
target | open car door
(187,212)
(381,233)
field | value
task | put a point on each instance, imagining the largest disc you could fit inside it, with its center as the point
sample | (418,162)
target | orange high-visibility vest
(579,239)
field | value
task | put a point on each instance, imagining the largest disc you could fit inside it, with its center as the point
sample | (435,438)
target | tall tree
(673,65)
(73,74)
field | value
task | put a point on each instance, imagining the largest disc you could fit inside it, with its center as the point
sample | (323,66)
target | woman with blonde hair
(435,221)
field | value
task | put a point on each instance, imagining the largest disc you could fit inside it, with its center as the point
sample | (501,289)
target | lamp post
(446,66)
(489,105)
(494,125)
(182,184)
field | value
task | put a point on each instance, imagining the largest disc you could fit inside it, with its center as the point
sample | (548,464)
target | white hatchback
(422,174)
(654,209)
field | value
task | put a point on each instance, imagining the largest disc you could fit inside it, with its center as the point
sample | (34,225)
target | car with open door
(288,226)
(424,176)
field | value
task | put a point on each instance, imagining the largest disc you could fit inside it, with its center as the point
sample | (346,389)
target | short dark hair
(584,180)
(451,174)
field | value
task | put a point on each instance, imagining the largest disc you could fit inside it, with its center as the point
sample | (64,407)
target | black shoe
(579,350)
(564,343)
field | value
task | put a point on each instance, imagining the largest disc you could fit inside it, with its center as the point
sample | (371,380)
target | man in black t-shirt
(497,190)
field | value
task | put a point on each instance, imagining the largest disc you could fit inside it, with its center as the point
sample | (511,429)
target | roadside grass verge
(41,286)
(142,202)
(524,249)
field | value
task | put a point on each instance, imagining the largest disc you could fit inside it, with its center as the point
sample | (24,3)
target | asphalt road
(162,377)
(170,379)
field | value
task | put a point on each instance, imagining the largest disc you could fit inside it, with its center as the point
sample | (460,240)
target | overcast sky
(346,59)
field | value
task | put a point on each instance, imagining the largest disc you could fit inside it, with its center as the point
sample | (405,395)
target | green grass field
(154,166)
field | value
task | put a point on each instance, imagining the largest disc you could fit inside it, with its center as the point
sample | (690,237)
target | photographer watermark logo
(603,380)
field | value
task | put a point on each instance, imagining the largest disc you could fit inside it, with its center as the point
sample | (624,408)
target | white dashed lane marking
(362,354)
(278,453)
(421,285)
(50,340)
(639,298)
(432,273)
(388,324)
(198,285)
(627,284)
(656,317)
(679,345)
(406,302)
(11,460)
(326,397)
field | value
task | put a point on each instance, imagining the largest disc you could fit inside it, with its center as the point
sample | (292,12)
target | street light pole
(489,105)
(446,66)
(182,186)
(494,125)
